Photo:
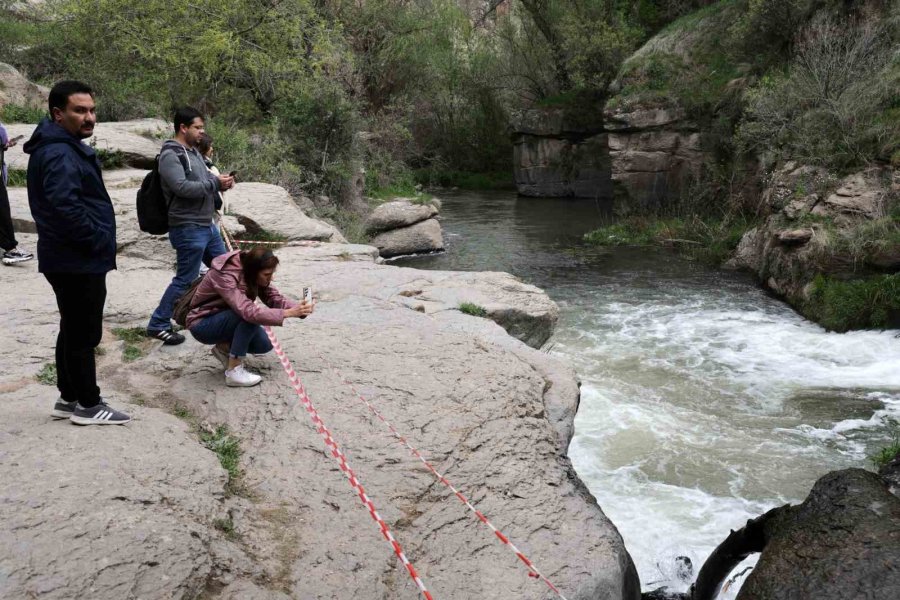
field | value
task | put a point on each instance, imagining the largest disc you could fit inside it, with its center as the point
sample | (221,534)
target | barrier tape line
(284,243)
(532,569)
(336,452)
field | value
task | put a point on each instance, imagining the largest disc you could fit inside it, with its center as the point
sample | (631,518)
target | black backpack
(152,208)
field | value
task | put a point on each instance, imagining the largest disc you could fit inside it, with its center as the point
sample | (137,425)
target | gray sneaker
(63,409)
(102,414)
(11,257)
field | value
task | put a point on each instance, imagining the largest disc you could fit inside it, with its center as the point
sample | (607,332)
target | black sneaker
(63,409)
(168,337)
(11,257)
(102,414)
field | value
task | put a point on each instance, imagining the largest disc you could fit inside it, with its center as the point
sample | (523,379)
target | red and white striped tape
(336,452)
(338,455)
(532,569)
(284,243)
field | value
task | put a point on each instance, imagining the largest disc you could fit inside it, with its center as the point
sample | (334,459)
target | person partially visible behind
(191,192)
(76,228)
(206,150)
(12,254)
(223,311)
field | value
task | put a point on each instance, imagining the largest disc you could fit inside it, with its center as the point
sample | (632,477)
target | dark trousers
(80,298)
(227,326)
(7,236)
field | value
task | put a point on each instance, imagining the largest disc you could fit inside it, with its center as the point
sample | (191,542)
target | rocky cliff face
(819,225)
(145,510)
(556,155)
(655,152)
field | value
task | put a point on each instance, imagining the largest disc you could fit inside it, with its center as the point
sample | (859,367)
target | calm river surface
(704,401)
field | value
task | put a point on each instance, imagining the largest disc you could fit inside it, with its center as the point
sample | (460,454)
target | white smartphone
(307,294)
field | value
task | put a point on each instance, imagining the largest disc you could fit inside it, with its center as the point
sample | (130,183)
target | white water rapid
(705,402)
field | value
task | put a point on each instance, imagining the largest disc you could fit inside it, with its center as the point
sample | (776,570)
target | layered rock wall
(555,155)
(813,219)
(654,154)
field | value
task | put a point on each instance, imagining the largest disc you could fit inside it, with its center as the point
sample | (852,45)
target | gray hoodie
(191,192)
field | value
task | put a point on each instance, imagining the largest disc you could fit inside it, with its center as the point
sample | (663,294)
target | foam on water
(705,402)
(705,405)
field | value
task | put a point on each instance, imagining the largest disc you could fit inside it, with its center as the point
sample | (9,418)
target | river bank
(156,514)
(705,400)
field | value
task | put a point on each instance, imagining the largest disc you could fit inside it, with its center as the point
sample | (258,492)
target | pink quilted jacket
(223,287)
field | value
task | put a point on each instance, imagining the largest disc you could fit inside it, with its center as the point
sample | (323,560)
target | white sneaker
(240,377)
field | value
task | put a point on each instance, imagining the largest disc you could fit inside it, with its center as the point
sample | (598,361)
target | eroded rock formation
(145,511)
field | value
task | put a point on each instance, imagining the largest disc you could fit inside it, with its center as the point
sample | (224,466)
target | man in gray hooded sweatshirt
(191,191)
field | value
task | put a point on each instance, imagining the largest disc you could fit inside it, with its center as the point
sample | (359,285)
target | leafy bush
(832,105)
(13,113)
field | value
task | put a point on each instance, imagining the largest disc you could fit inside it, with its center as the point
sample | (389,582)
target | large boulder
(398,213)
(842,542)
(491,413)
(16,89)
(424,236)
(124,512)
(138,141)
(262,207)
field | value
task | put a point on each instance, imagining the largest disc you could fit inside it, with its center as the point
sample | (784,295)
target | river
(705,401)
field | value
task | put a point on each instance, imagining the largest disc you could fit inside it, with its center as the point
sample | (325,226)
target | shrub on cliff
(836,104)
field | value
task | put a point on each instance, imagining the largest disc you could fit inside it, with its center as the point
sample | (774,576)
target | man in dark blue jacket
(76,245)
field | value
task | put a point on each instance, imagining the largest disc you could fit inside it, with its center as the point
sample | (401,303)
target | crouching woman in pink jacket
(224,311)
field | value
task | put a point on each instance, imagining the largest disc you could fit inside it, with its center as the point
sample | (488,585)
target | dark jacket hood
(48,132)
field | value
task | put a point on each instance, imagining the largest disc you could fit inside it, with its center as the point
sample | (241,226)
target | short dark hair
(185,116)
(204,143)
(59,94)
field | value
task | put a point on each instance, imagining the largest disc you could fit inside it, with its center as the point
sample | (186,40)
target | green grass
(690,20)
(842,305)
(184,413)
(708,239)
(13,113)
(47,374)
(472,309)
(111,159)
(226,526)
(263,235)
(228,449)
(885,455)
(629,233)
(131,353)
(17,178)
(135,339)
(130,335)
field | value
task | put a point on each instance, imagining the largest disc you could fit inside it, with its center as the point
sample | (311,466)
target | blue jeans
(193,244)
(227,326)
